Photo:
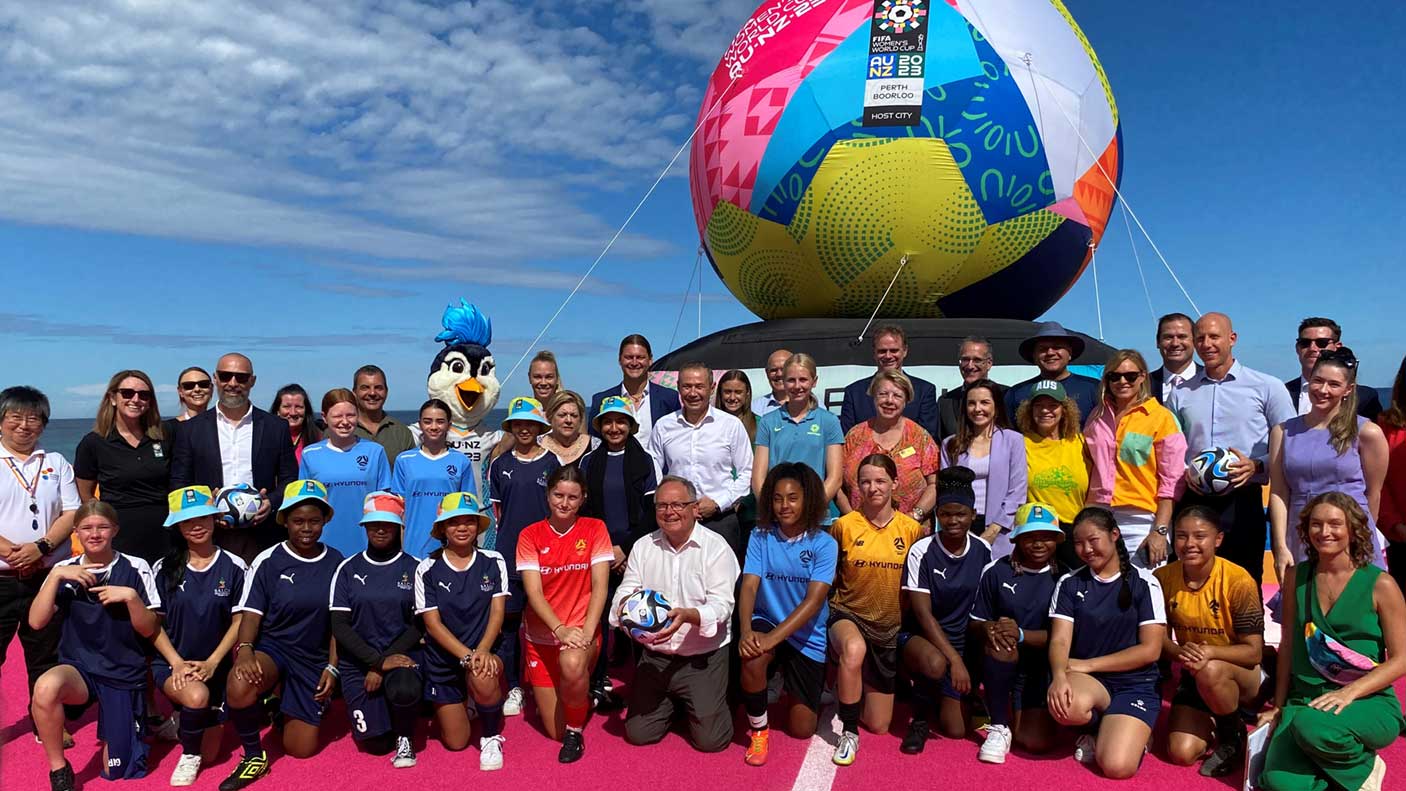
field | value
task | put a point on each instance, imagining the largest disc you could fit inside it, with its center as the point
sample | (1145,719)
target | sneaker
(1084,748)
(604,698)
(1377,779)
(63,779)
(404,753)
(250,768)
(490,753)
(846,749)
(916,739)
(1229,755)
(512,704)
(165,729)
(756,751)
(573,746)
(997,745)
(186,770)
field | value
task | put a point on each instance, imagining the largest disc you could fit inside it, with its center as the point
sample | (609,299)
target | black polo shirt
(128,477)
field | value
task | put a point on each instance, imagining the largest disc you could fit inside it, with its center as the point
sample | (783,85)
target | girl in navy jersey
(941,579)
(108,601)
(373,621)
(1012,610)
(460,592)
(284,635)
(517,487)
(1106,629)
(199,584)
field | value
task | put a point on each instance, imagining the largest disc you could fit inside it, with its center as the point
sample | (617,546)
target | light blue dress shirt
(1234,412)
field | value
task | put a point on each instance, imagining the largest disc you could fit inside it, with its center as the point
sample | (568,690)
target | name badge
(156,451)
(906,452)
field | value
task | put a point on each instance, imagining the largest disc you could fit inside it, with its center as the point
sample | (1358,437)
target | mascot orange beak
(469,391)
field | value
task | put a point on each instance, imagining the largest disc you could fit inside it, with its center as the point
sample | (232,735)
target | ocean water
(63,435)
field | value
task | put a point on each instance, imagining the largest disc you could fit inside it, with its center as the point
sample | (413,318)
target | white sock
(757,723)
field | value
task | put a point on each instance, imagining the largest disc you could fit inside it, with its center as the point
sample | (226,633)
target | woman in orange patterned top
(914,452)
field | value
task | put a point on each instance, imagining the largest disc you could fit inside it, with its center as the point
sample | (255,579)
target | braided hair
(1103,519)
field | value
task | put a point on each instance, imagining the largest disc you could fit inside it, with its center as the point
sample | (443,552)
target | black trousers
(41,647)
(1396,562)
(729,527)
(1242,520)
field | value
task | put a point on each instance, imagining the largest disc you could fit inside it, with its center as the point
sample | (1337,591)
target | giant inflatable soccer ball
(978,138)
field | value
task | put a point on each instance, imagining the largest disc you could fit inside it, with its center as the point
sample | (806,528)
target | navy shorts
(1138,697)
(121,726)
(443,686)
(299,684)
(161,673)
(369,712)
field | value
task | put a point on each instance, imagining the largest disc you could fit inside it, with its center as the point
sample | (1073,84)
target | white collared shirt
(1305,404)
(1170,379)
(716,454)
(54,494)
(236,447)
(700,574)
(643,413)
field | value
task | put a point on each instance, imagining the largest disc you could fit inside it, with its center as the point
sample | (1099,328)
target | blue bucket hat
(190,502)
(304,491)
(529,409)
(1051,330)
(615,405)
(1036,518)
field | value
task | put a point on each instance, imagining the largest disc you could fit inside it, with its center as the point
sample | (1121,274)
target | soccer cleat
(63,779)
(1228,757)
(165,729)
(604,698)
(250,768)
(404,753)
(512,704)
(916,739)
(186,770)
(490,753)
(847,749)
(997,745)
(756,751)
(573,746)
(1084,748)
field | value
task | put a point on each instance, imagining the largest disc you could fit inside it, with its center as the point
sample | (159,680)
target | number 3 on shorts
(360,720)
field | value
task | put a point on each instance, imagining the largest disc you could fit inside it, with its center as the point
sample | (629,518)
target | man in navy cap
(1052,348)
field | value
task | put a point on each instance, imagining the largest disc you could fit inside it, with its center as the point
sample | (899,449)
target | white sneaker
(847,749)
(996,746)
(512,704)
(186,770)
(404,753)
(1084,748)
(1376,781)
(168,731)
(490,753)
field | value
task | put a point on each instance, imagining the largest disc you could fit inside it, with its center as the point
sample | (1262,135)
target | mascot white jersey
(462,377)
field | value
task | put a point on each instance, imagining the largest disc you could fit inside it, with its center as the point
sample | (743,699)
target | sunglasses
(1322,343)
(238,376)
(1342,356)
(1126,376)
(131,393)
(199,384)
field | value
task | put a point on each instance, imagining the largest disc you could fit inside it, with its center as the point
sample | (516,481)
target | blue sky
(312,186)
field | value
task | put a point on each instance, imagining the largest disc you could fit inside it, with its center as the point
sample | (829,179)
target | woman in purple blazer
(985,443)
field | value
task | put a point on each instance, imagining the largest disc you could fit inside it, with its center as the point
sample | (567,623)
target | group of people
(1033,551)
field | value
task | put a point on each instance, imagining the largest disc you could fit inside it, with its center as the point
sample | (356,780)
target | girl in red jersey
(565,562)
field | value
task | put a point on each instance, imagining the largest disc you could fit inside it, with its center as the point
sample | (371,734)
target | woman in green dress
(1334,706)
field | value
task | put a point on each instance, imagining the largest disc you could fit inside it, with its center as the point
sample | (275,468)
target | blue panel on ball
(1028,287)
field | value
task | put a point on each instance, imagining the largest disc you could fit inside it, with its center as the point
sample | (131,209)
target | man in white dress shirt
(708,447)
(1174,343)
(684,670)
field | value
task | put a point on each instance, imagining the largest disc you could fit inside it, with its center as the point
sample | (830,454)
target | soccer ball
(238,504)
(1210,470)
(644,613)
(947,159)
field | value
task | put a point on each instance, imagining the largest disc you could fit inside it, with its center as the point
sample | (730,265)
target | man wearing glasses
(1227,405)
(236,442)
(684,666)
(1318,335)
(974,362)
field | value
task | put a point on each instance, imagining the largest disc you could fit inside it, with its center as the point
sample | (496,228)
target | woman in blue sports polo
(102,654)
(284,635)
(199,584)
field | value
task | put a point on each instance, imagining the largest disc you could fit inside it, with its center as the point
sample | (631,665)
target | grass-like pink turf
(609,762)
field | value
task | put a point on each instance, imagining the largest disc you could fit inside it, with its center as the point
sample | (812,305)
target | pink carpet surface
(530,760)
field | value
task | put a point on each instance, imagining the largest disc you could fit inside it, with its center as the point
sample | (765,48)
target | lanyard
(31,487)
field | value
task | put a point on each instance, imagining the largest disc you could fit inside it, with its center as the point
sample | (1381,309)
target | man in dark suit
(1318,335)
(237,443)
(890,350)
(974,363)
(649,401)
(1178,361)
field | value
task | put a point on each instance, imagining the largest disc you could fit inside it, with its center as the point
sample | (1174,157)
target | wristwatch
(44,546)
(1161,530)
(466,659)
